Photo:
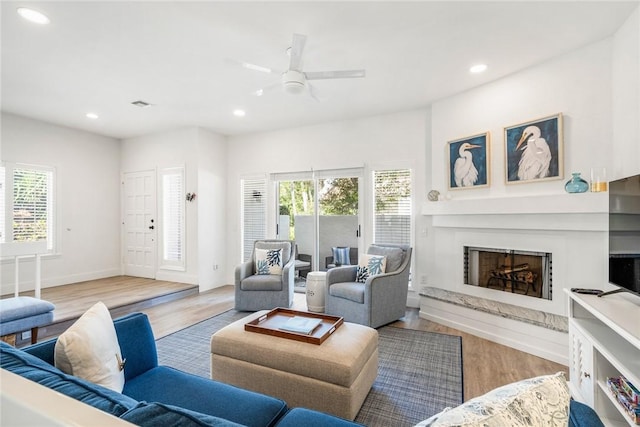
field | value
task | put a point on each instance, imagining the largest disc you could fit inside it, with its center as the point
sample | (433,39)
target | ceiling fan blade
(266,88)
(297,46)
(254,67)
(343,74)
(313,92)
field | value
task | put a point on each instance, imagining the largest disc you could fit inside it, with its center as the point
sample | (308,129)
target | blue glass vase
(576,184)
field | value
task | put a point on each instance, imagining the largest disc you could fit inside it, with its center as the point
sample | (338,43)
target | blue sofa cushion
(581,415)
(37,370)
(156,414)
(308,418)
(172,387)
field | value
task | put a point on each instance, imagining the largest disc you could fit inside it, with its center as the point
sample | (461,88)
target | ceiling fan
(295,80)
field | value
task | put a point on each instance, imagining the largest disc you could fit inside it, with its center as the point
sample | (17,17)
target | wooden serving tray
(270,324)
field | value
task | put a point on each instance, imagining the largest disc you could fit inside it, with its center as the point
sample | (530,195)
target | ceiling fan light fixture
(294,88)
(293,82)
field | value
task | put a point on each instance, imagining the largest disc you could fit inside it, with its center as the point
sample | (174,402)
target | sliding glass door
(319,210)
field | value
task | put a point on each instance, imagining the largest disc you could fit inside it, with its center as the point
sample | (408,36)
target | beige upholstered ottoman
(333,377)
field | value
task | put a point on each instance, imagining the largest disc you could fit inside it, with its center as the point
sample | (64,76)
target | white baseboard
(176,276)
(50,282)
(532,339)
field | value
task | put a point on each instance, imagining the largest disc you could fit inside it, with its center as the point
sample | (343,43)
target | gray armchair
(266,291)
(381,299)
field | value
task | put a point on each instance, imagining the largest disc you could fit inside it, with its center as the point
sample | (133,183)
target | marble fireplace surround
(563,224)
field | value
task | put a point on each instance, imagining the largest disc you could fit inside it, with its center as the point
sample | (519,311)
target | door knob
(151,227)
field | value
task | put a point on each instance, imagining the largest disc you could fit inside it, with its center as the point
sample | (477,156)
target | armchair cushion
(394,256)
(262,282)
(353,291)
(268,261)
(285,245)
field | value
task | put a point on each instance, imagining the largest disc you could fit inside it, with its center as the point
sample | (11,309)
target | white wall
(626,98)
(394,140)
(87,171)
(578,85)
(202,153)
(211,202)
(596,90)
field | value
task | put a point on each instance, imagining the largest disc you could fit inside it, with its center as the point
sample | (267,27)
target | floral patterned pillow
(539,401)
(268,261)
(370,265)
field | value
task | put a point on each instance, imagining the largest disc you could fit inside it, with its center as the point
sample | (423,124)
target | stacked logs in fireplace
(518,277)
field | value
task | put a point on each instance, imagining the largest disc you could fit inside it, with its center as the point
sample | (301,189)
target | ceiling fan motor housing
(293,82)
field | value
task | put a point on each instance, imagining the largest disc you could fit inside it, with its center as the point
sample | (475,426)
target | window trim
(163,263)
(53,232)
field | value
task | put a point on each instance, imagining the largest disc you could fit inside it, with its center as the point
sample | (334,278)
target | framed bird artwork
(469,162)
(534,150)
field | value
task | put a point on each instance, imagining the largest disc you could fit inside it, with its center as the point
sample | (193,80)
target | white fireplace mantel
(571,212)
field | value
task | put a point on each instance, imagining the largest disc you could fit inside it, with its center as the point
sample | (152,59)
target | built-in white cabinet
(604,341)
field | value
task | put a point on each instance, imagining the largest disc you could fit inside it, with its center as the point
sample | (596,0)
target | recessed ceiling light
(92,116)
(239,113)
(33,15)
(478,68)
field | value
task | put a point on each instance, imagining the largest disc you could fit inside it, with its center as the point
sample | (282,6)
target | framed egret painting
(469,162)
(533,150)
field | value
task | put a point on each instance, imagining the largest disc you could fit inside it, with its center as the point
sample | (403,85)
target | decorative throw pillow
(268,261)
(370,265)
(341,255)
(89,350)
(539,401)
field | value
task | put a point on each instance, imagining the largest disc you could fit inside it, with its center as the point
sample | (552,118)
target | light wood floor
(486,365)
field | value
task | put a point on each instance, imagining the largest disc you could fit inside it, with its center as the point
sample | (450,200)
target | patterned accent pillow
(362,274)
(370,265)
(539,401)
(268,261)
(341,255)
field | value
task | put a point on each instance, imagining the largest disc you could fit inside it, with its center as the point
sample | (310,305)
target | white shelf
(605,390)
(564,203)
(607,331)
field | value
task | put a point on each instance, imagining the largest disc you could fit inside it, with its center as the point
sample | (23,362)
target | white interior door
(139,224)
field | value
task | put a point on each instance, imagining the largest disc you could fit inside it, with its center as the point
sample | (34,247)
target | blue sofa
(159,395)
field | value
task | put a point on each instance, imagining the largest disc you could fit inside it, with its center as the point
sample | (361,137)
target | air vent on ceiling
(141,104)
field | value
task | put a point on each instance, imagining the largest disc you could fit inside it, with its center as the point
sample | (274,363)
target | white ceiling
(178,56)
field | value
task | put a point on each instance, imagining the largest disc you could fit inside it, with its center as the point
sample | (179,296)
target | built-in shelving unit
(604,336)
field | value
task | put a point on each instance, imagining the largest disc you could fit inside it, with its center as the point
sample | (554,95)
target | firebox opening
(515,271)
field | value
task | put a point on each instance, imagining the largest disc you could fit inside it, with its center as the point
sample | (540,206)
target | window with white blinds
(27,203)
(254,213)
(392,206)
(173,219)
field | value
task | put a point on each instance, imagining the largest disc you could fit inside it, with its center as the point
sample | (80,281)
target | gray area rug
(419,373)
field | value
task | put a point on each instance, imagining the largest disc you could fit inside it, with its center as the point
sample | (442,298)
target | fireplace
(508,270)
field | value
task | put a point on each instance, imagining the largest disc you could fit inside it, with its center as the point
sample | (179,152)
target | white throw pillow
(89,349)
(269,261)
(539,401)
(370,265)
